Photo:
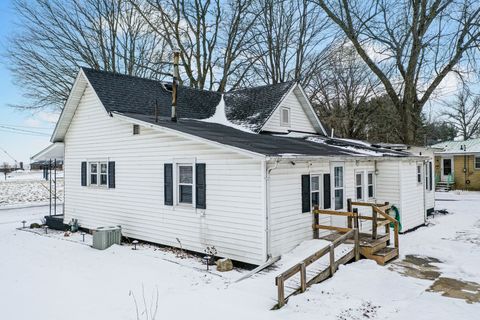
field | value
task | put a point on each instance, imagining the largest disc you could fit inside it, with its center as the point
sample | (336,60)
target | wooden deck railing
(384,219)
(379,219)
(302,266)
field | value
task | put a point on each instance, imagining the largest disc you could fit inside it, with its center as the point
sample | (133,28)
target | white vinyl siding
(288,226)
(397,183)
(298,118)
(233,221)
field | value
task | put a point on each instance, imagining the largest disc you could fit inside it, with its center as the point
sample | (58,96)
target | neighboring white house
(239,171)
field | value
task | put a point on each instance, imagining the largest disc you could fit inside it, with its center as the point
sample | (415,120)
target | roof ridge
(290,82)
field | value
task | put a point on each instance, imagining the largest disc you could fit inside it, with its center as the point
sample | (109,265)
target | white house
(239,171)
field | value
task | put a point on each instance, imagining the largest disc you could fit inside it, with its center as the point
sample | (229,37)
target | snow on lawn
(43,277)
(27,187)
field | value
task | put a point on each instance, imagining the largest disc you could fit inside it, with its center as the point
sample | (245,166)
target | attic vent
(136,129)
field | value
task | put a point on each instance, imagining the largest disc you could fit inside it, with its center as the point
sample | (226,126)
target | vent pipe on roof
(176,57)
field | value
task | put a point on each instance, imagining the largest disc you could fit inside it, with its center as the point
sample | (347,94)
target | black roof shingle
(247,107)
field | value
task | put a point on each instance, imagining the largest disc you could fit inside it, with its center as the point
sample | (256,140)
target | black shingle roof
(247,107)
(253,106)
(123,93)
(265,144)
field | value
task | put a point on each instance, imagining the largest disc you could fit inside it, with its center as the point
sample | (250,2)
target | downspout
(267,207)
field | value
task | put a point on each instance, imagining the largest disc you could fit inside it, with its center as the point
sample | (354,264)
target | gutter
(267,171)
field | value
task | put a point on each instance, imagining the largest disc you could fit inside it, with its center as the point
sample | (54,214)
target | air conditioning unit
(104,237)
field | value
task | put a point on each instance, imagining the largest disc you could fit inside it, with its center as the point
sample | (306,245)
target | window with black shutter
(83,174)
(168,184)
(111,174)
(200,186)
(306,193)
(326,192)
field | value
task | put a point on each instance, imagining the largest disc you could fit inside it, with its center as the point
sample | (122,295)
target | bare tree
(289,35)
(410,45)
(342,89)
(58,37)
(211,36)
(464,114)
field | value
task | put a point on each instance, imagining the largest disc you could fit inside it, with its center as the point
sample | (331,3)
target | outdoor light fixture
(207,260)
(83,236)
(135,242)
(23,222)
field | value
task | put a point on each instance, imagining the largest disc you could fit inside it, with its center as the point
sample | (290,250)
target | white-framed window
(98,173)
(285,116)
(184,184)
(359,185)
(370,185)
(315,190)
(427,176)
(477,162)
(419,173)
(338,187)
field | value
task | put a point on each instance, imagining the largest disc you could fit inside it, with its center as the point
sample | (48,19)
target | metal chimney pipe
(176,57)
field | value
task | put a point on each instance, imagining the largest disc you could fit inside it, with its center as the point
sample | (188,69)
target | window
(427,176)
(338,187)
(285,117)
(98,175)
(447,167)
(477,162)
(93,173)
(359,185)
(185,184)
(136,129)
(315,190)
(419,173)
(370,185)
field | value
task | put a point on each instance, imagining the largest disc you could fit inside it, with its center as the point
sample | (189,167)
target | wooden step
(371,249)
(384,255)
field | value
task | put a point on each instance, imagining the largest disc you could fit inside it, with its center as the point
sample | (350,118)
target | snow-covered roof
(54,151)
(458,147)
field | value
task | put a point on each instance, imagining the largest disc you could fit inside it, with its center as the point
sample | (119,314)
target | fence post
(281,291)
(357,245)
(374,223)
(332,259)
(303,277)
(315,223)
(349,209)
(355,218)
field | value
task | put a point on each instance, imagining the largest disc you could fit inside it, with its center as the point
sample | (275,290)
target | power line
(29,127)
(8,154)
(24,131)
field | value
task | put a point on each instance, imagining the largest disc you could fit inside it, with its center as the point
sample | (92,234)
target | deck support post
(349,209)
(332,259)
(356,237)
(374,223)
(281,291)
(303,277)
(316,222)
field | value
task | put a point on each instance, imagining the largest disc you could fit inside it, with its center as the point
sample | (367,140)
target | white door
(447,169)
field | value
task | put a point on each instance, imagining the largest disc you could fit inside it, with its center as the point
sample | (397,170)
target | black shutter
(168,184)
(327,194)
(430,182)
(111,174)
(84,174)
(200,186)
(306,205)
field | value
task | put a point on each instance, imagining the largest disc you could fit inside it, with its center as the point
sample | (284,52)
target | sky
(20,145)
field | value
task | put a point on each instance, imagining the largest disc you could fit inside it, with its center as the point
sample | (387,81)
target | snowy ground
(56,277)
(25,188)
